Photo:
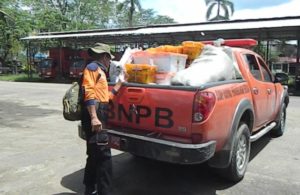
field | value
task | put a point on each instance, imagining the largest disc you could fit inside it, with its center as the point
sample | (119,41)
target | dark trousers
(98,169)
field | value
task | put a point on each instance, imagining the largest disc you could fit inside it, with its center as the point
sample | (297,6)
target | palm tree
(225,5)
(132,5)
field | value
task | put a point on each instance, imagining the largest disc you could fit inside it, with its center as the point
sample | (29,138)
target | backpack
(73,101)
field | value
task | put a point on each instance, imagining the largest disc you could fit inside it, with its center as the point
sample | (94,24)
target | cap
(101,48)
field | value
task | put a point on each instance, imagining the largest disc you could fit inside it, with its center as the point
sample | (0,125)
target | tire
(240,155)
(280,127)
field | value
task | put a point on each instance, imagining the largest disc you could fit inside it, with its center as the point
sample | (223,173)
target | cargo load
(141,73)
(214,64)
(191,64)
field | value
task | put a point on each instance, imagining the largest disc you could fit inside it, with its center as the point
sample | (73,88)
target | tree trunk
(131,13)
(219,5)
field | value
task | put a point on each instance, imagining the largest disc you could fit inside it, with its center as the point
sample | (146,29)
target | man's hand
(96,124)
(118,85)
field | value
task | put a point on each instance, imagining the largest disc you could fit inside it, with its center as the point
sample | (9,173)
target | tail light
(203,104)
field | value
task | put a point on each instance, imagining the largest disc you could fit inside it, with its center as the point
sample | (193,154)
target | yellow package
(167,48)
(141,73)
(192,49)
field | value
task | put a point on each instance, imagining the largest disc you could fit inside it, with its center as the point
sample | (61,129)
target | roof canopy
(287,28)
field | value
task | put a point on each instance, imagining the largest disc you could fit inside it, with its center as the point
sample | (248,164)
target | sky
(190,11)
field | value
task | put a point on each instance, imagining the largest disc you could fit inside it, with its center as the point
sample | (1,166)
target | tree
(132,5)
(222,5)
(20,18)
(149,17)
(10,30)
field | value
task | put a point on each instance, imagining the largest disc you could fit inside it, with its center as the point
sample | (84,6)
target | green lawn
(20,78)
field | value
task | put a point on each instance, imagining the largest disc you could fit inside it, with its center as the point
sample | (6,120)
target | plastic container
(141,73)
(164,78)
(165,61)
(192,49)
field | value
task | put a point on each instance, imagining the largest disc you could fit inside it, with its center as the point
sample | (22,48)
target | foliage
(143,18)
(222,5)
(131,5)
(20,18)
(20,78)
(262,51)
(148,17)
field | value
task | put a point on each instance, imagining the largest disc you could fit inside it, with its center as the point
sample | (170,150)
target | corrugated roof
(289,26)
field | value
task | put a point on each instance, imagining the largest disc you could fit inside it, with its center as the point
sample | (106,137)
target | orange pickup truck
(213,123)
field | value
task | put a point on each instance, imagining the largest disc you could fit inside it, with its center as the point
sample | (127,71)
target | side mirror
(282,78)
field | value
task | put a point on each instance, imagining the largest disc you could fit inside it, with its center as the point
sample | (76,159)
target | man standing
(98,169)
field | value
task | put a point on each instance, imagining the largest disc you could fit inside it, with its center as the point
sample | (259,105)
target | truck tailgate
(153,109)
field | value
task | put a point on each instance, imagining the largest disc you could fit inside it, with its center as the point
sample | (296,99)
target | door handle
(269,91)
(255,90)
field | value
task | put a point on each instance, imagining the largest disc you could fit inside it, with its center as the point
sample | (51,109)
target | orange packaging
(167,48)
(141,73)
(192,49)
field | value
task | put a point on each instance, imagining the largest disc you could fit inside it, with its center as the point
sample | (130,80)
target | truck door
(258,90)
(269,89)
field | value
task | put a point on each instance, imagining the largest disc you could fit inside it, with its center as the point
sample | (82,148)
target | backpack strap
(103,68)
(93,66)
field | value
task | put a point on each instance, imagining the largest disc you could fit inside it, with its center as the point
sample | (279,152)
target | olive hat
(99,48)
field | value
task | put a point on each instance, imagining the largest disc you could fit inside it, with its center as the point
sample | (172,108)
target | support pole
(267,55)
(298,50)
(268,51)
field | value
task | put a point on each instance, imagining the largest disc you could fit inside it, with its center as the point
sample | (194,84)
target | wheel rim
(241,153)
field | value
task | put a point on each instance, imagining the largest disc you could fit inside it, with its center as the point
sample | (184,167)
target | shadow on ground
(259,145)
(138,176)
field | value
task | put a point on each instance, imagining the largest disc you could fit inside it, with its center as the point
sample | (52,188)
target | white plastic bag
(117,69)
(212,65)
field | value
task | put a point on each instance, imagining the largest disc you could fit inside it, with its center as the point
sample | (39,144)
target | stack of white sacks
(213,64)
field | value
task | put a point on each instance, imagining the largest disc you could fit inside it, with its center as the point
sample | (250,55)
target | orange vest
(95,90)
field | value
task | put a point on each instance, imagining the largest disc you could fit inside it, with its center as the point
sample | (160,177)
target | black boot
(90,190)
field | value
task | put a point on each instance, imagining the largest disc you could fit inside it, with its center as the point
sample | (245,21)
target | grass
(20,78)
(291,81)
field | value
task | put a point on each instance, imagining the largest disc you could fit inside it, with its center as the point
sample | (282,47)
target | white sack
(117,68)
(115,71)
(212,65)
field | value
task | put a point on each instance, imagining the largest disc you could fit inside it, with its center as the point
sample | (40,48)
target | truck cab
(47,68)
(76,67)
(77,63)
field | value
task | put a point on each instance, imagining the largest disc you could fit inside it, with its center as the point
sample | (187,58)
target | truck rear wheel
(280,127)
(240,155)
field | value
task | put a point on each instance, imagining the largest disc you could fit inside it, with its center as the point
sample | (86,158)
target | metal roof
(261,29)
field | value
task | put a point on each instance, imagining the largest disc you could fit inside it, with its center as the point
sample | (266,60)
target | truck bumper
(162,150)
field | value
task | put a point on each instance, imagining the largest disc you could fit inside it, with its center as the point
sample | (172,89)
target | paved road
(40,153)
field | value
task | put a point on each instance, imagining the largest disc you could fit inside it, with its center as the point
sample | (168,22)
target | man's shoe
(90,190)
